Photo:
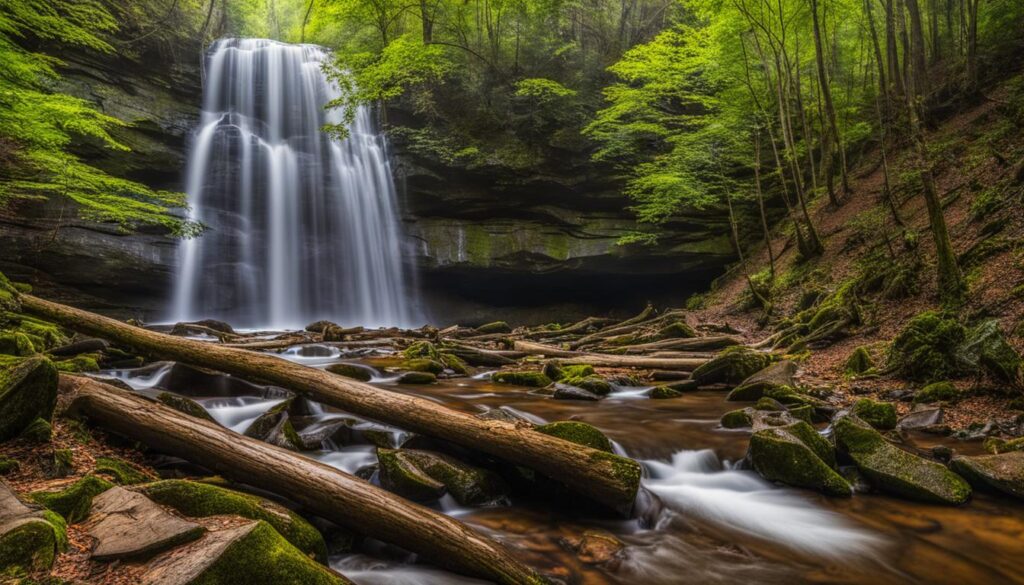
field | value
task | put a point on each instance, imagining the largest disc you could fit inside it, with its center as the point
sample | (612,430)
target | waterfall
(300,226)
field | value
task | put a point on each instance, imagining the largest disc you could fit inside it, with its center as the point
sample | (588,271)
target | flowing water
(701,519)
(300,226)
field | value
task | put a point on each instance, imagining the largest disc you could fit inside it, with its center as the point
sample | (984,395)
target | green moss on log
(74,501)
(577,432)
(124,473)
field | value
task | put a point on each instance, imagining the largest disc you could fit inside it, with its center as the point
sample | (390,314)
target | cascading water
(301,226)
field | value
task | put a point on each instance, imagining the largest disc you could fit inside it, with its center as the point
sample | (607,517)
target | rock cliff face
(531,243)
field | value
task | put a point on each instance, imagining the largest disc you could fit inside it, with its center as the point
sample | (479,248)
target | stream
(701,518)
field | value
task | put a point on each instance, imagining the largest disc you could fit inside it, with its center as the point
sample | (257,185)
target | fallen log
(571,329)
(627,328)
(324,490)
(608,479)
(691,344)
(608,360)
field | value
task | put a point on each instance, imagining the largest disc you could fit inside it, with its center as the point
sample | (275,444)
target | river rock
(356,372)
(797,455)
(252,552)
(128,524)
(522,378)
(920,417)
(28,390)
(777,375)
(893,470)
(197,499)
(1003,472)
(881,415)
(596,547)
(417,378)
(274,427)
(567,392)
(426,476)
(185,405)
(29,538)
(319,326)
(732,366)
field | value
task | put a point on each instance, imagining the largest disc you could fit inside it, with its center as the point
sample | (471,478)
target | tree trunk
(917,50)
(892,50)
(972,45)
(324,490)
(608,479)
(883,88)
(607,360)
(760,204)
(826,94)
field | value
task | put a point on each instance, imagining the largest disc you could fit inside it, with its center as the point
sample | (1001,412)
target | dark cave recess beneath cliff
(468,297)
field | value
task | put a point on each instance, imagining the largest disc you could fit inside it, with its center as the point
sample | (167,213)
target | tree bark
(324,490)
(607,479)
(826,93)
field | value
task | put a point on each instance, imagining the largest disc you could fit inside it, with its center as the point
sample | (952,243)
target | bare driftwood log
(324,490)
(610,361)
(627,327)
(691,344)
(578,327)
(609,479)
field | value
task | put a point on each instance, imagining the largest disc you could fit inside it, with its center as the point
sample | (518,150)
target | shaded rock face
(539,236)
(97,265)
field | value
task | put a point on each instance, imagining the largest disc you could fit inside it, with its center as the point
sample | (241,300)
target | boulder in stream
(417,378)
(777,375)
(796,455)
(185,405)
(522,378)
(732,366)
(1003,472)
(895,471)
(356,372)
(274,427)
(881,415)
(426,476)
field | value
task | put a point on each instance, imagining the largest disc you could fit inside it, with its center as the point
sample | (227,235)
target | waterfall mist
(301,226)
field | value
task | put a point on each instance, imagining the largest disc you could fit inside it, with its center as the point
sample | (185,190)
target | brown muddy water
(701,518)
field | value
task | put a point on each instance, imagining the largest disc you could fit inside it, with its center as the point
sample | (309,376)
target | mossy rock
(765,403)
(261,556)
(804,412)
(44,335)
(732,366)
(361,373)
(29,547)
(677,330)
(986,348)
(401,476)
(594,384)
(184,405)
(859,363)
(417,378)
(522,378)
(423,365)
(469,485)
(421,349)
(38,431)
(926,349)
(8,295)
(738,419)
(28,390)
(494,327)
(74,501)
(62,463)
(881,415)
(8,465)
(779,374)
(895,471)
(937,392)
(201,499)
(797,455)
(663,393)
(1003,472)
(124,473)
(455,363)
(275,427)
(577,432)
(79,364)
(996,445)
(16,343)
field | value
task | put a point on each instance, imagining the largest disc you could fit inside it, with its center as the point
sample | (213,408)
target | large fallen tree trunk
(609,360)
(603,477)
(691,343)
(324,490)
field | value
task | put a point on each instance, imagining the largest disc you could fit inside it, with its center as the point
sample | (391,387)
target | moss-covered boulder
(121,471)
(252,553)
(738,419)
(926,349)
(422,349)
(361,373)
(986,348)
(937,392)
(275,427)
(859,363)
(732,366)
(16,343)
(399,475)
(29,539)
(455,363)
(185,405)
(594,384)
(1003,472)
(86,362)
(777,375)
(577,432)
(494,327)
(676,330)
(423,365)
(28,390)
(663,393)
(522,378)
(469,485)
(73,502)
(797,455)
(895,471)
(881,415)
(417,378)
(38,431)
(202,499)
(8,465)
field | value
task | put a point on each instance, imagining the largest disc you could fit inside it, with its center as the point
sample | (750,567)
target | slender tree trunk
(972,45)
(760,203)
(305,21)
(886,186)
(883,87)
(892,49)
(608,479)
(918,49)
(325,490)
(830,110)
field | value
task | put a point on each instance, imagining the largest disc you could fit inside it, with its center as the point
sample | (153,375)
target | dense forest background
(753,110)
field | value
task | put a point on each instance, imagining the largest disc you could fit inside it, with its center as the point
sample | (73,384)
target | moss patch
(797,455)
(16,343)
(937,392)
(580,433)
(201,500)
(881,415)
(926,349)
(74,501)
(495,327)
(124,473)
(522,378)
(859,363)
(732,366)
(28,390)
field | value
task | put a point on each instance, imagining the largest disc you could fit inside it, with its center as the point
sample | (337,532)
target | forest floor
(977,157)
